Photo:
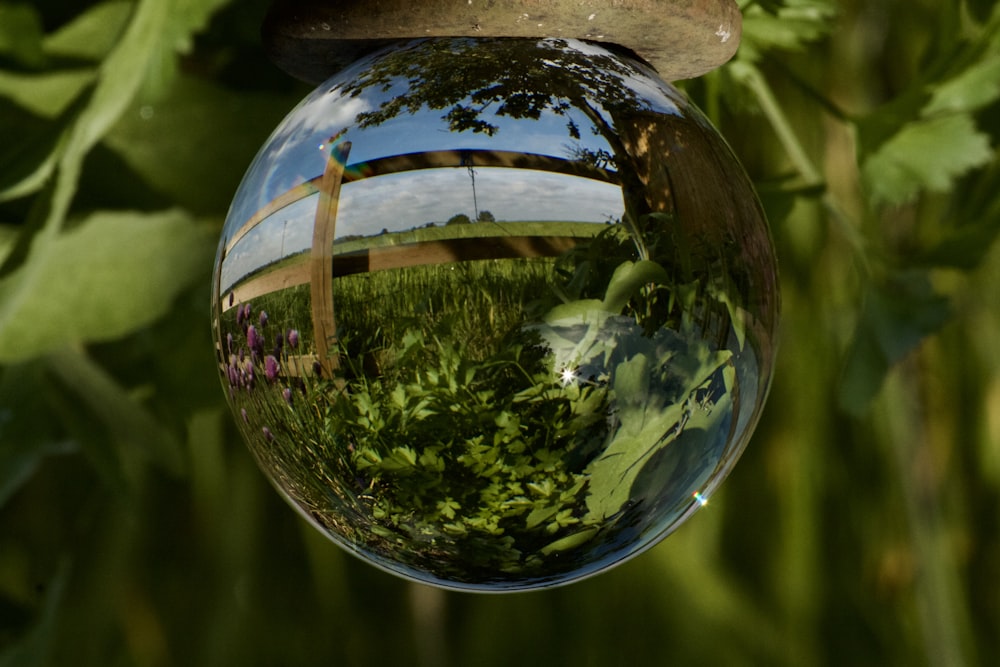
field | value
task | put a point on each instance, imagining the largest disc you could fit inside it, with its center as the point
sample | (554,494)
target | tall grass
(477,302)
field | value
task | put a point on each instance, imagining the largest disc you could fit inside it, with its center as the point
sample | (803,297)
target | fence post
(321,259)
(218,307)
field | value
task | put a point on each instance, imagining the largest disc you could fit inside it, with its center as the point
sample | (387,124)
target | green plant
(476,436)
(134,529)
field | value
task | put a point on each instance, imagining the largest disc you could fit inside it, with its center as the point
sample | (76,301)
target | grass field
(429,234)
(490,420)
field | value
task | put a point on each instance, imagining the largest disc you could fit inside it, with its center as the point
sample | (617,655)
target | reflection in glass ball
(495,314)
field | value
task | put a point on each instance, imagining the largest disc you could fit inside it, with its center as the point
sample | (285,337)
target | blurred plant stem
(750,76)
(812,179)
(429,612)
(131,426)
(940,599)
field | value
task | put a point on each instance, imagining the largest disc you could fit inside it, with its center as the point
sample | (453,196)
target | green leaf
(627,280)
(965,246)
(92,34)
(571,541)
(770,6)
(8,237)
(926,154)
(785,27)
(35,649)
(111,275)
(221,130)
(401,459)
(582,310)
(120,76)
(118,79)
(631,390)
(46,95)
(649,428)
(540,515)
(895,318)
(27,435)
(186,18)
(131,426)
(30,154)
(21,34)
(89,434)
(190,17)
(973,89)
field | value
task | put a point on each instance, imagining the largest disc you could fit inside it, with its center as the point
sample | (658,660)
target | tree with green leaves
(507,79)
(458,219)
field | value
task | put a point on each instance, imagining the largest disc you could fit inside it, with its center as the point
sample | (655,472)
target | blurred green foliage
(862,526)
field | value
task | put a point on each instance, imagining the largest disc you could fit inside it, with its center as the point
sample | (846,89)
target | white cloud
(411,199)
(405,200)
(287,231)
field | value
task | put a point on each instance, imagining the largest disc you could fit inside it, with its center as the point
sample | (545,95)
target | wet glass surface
(495,314)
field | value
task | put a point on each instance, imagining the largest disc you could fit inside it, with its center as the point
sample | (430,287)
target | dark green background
(861,527)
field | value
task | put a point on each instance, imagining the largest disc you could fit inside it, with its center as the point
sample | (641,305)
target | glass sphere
(495,314)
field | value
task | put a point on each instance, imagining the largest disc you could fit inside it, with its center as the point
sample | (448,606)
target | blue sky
(295,153)
(411,199)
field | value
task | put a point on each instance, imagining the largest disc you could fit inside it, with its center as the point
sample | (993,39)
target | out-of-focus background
(861,527)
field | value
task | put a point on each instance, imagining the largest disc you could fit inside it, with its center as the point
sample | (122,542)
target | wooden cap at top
(313,39)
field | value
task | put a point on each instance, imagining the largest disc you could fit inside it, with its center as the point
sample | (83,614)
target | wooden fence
(320,265)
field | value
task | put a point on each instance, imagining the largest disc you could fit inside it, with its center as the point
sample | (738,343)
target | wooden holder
(682,39)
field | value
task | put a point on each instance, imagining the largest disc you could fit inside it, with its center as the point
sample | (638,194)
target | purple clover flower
(239,315)
(263,318)
(246,312)
(271,367)
(267,433)
(293,338)
(253,338)
(231,297)
(287,394)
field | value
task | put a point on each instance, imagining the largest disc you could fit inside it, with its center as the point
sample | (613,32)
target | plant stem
(751,77)
(428,607)
(938,594)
